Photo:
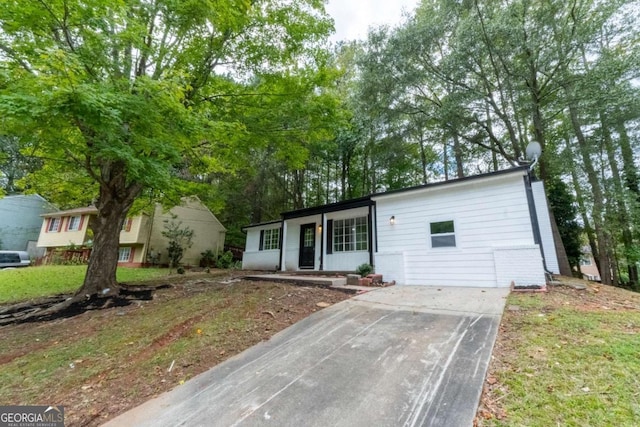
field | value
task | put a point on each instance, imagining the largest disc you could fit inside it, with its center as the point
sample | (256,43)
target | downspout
(282,230)
(370,232)
(322,231)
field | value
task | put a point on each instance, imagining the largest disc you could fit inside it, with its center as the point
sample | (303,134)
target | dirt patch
(101,363)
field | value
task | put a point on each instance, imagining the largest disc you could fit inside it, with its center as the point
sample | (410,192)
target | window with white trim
(442,234)
(585,260)
(124,254)
(351,234)
(270,239)
(54,224)
(74,223)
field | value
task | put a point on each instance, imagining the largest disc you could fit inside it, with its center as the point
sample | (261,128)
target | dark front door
(307,245)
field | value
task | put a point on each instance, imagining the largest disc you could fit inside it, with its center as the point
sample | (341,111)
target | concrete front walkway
(398,356)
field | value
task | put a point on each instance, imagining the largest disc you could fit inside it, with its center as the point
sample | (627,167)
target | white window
(350,234)
(54,224)
(585,260)
(74,223)
(124,254)
(270,239)
(442,234)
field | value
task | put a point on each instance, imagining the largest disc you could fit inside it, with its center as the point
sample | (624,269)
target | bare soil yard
(102,362)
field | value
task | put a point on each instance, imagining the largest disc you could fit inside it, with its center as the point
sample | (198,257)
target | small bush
(364,269)
(225,260)
(208,258)
(180,270)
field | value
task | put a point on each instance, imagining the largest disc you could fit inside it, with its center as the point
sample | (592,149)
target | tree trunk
(563,261)
(445,159)
(423,158)
(106,226)
(583,213)
(457,152)
(628,165)
(620,206)
(598,198)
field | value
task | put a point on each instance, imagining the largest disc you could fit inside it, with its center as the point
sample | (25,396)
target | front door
(307,245)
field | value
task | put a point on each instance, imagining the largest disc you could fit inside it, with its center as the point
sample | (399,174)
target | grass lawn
(33,282)
(569,358)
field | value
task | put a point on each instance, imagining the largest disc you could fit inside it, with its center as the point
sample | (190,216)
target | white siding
(255,259)
(345,261)
(520,265)
(488,214)
(544,223)
(292,242)
(337,261)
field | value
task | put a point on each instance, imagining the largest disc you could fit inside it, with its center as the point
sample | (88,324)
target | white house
(486,230)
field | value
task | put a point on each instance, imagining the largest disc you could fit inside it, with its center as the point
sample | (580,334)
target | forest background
(248,105)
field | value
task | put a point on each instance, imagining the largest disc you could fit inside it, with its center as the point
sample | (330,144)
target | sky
(354,17)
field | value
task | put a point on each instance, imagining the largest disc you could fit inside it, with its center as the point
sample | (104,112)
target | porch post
(283,246)
(370,236)
(322,231)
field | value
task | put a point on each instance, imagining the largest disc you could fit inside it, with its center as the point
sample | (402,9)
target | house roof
(369,200)
(331,207)
(261,224)
(90,210)
(520,169)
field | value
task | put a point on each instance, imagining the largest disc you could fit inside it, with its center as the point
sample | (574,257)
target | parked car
(14,259)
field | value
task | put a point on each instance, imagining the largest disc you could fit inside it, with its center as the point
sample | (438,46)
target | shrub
(364,269)
(207,258)
(225,260)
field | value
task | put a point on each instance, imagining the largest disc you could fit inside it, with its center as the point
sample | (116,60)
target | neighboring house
(141,239)
(588,267)
(20,222)
(486,230)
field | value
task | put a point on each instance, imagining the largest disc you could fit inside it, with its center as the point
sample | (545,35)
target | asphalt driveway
(398,356)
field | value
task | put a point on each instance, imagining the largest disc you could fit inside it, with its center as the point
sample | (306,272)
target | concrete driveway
(398,356)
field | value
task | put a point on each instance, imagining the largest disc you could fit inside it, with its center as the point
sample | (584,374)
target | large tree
(119,93)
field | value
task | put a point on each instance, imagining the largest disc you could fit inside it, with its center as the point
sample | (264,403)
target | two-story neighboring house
(141,239)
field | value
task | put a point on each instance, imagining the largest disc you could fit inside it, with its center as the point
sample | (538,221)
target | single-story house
(486,230)
(141,239)
(20,222)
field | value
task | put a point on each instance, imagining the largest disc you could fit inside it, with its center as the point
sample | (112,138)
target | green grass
(570,367)
(34,282)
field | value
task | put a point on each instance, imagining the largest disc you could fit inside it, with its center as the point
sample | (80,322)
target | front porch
(333,280)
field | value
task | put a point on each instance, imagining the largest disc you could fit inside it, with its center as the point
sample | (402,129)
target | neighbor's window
(585,260)
(270,239)
(74,223)
(126,224)
(350,234)
(442,234)
(54,224)
(124,254)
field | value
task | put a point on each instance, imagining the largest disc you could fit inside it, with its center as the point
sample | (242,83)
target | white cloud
(354,17)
